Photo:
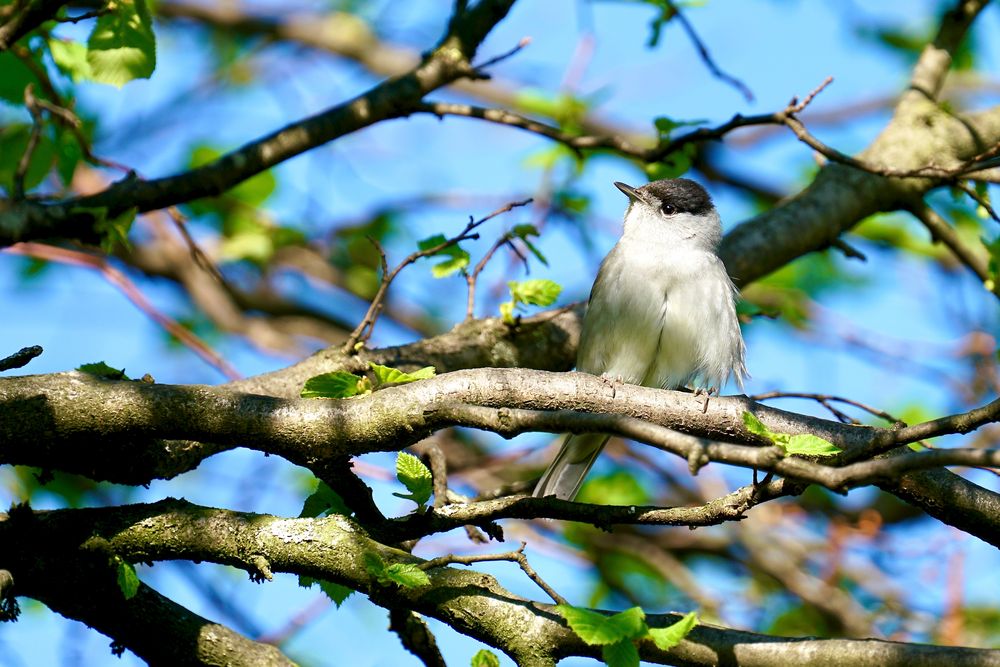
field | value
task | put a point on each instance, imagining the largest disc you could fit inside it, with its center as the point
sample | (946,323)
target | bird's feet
(614,382)
(705,393)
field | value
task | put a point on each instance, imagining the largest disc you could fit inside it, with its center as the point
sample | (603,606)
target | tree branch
(331,548)
(108,429)
(74,574)
(33,14)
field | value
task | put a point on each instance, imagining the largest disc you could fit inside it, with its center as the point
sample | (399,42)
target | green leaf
(754,425)
(407,575)
(386,375)
(670,636)
(13,143)
(375,566)
(673,165)
(523,232)
(339,384)
(802,444)
(68,156)
(807,444)
(335,592)
(114,231)
(415,476)
(16,76)
(458,257)
(539,292)
(617,488)
(507,312)
(621,654)
(252,192)
(255,245)
(450,266)
(128,581)
(323,502)
(485,658)
(122,46)
(665,126)
(598,629)
(102,370)
(71,58)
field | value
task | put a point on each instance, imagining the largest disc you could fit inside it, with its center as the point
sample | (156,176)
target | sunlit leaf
(485,658)
(457,257)
(122,46)
(407,575)
(128,580)
(71,58)
(387,375)
(538,292)
(598,629)
(620,654)
(415,476)
(323,502)
(670,636)
(806,444)
(339,384)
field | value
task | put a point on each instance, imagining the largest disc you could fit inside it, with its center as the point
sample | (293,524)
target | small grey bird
(662,312)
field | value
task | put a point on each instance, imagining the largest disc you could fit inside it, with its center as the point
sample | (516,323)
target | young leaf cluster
(802,444)
(617,634)
(341,384)
(537,292)
(416,477)
(406,575)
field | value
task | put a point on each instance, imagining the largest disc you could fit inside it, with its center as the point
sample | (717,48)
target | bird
(661,313)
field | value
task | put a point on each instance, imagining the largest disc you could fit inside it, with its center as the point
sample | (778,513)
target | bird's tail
(566,472)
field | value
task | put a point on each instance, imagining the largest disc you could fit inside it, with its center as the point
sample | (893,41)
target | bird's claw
(706,393)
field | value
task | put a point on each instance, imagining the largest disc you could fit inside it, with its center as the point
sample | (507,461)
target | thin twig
(58,108)
(199,256)
(579,143)
(848,250)
(824,399)
(83,17)
(31,102)
(979,199)
(941,231)
(706,56)
(364,330)
(298,622)
(525,41)
(511,556)
(797,107)
(473,276)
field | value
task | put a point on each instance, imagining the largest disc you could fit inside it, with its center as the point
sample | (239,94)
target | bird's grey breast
(628,310)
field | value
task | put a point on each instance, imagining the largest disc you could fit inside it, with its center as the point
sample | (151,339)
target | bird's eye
(668,209)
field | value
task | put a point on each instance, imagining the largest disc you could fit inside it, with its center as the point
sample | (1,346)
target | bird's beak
(629,191)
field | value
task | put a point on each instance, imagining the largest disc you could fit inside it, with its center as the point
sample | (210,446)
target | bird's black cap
(684,194)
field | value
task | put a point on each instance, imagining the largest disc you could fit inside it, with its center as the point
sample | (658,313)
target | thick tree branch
(75,575)
(111,429)
(334,548)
